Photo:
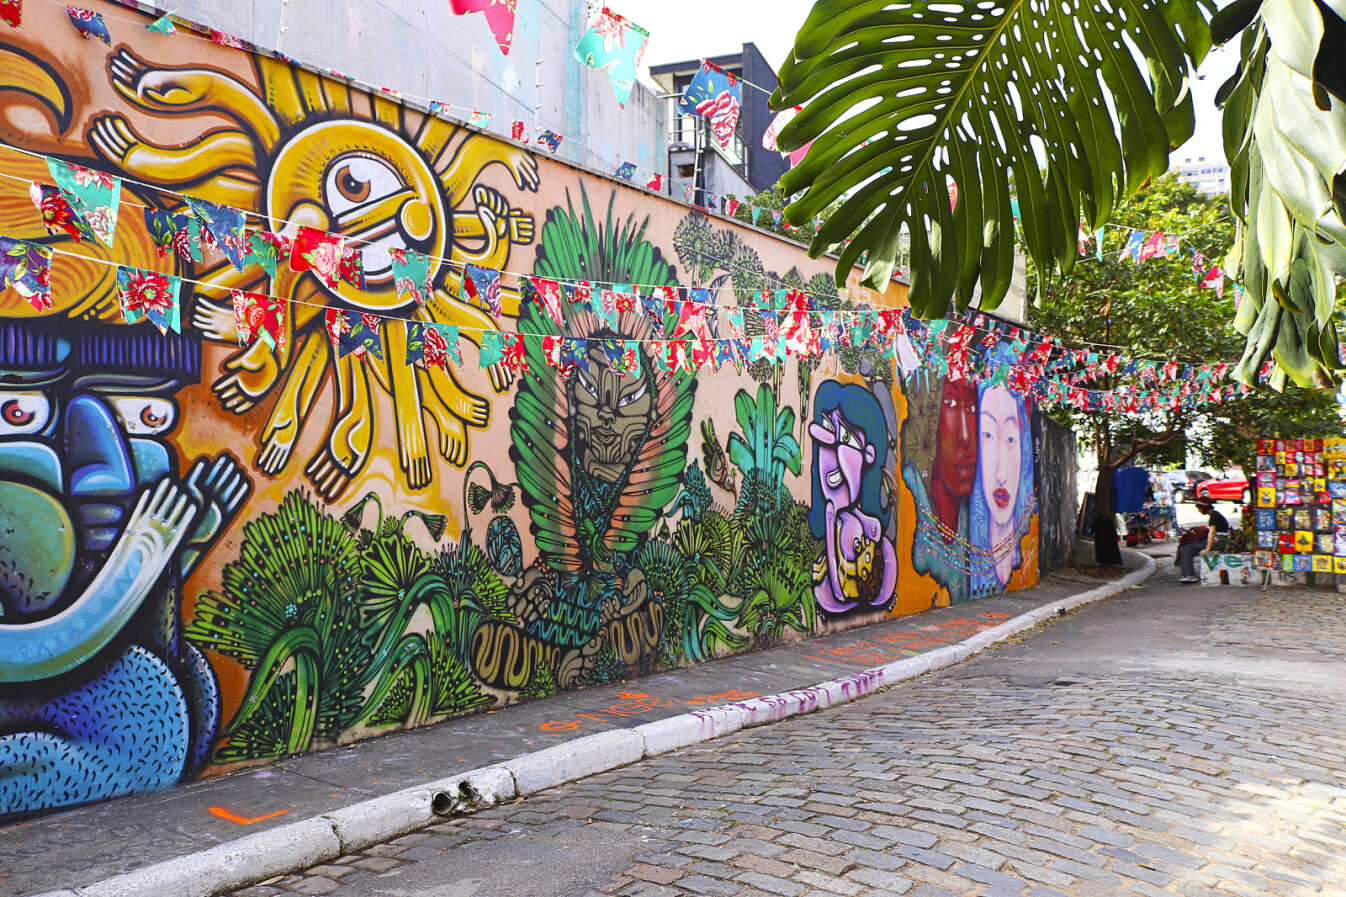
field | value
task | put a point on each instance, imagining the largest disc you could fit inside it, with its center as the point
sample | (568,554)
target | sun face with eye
(307,151)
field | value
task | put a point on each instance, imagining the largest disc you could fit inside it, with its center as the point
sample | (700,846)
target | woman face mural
(859,568)
(1004,489)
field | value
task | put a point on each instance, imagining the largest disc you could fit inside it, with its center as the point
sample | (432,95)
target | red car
(1233,486)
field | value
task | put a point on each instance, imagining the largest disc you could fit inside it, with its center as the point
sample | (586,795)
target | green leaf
(899,101)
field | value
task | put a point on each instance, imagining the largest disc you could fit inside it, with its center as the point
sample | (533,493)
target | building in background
(423,50)
(746,167)
(1206,175)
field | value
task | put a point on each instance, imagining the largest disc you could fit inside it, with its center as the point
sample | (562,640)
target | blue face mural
(99,694)
(850,511)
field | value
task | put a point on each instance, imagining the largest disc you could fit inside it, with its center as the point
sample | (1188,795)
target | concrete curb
(298,845)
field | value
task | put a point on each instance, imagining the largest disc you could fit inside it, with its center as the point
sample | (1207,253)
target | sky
(692,29)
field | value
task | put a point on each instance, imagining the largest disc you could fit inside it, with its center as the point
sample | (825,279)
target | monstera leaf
(1285,136)
(1077,104)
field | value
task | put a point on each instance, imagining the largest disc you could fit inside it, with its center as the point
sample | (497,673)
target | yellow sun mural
(308,151)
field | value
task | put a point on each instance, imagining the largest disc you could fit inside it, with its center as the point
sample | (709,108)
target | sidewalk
(87,845)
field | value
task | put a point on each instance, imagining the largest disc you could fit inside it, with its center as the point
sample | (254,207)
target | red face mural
(955,450)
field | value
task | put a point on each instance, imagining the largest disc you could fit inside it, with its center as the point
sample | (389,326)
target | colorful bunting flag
(355,333)
(731,206)
(626,171)
(1083,240)
(499,17)
(1154,246)
(480,119)
(715,94)
(550,139)
(492,349)
(547,294)
(1214,279)
(519,131)
(94,195)
(266,249)
(11,12)
(433,345)
(783,118)
(162,225)
(1098,248)
(26,267)
(163,25)
(151,295)
(259,316)
(482,285)
(57,213)
(615,45)
(352,268)
(320,252)
(1134,243)
(225,226)
(655,183)
(225,39)
(89,24)
(411,275)
(689,192)
(190,239)
(1172,245)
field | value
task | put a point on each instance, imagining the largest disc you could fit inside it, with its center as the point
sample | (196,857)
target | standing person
(1217,534)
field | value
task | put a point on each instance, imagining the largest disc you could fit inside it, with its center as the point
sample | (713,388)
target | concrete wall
(214,555)
(421,48)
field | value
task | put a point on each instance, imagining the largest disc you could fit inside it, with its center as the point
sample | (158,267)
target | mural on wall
(100,695)
(850,509)
(214,554)
(967,463)
(1055,458)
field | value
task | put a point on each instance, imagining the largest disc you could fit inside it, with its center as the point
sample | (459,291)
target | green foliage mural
(347,629)
(318,609)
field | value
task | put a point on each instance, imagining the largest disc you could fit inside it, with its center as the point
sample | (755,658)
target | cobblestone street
(1164,742)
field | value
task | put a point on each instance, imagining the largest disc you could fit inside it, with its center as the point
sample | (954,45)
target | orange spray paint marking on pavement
(243,820)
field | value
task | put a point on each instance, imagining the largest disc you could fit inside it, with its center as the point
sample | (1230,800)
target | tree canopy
(1155,310)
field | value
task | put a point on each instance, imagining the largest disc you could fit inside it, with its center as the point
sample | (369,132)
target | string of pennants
(1141,245)
(790,325)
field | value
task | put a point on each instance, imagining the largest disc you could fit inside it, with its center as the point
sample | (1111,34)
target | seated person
(1192,543)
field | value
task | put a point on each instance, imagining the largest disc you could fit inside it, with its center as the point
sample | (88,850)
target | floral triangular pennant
(57,213)
(411,275)
(433,345)
(353,333)
(94,195)
(318,251)
(259,316)
(482,285)
(225,226)
(26,267)
(89,24)
(499,18)
(149,294)
(615,45)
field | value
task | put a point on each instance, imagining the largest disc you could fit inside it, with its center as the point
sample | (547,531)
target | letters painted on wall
(213,555)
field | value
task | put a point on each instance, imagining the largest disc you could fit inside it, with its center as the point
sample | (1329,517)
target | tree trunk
(1106,550)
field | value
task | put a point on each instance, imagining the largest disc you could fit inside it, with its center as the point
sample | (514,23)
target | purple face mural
(848,508)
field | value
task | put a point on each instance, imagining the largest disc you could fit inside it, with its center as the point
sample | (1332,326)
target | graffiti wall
(215,554)
(1054,450)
